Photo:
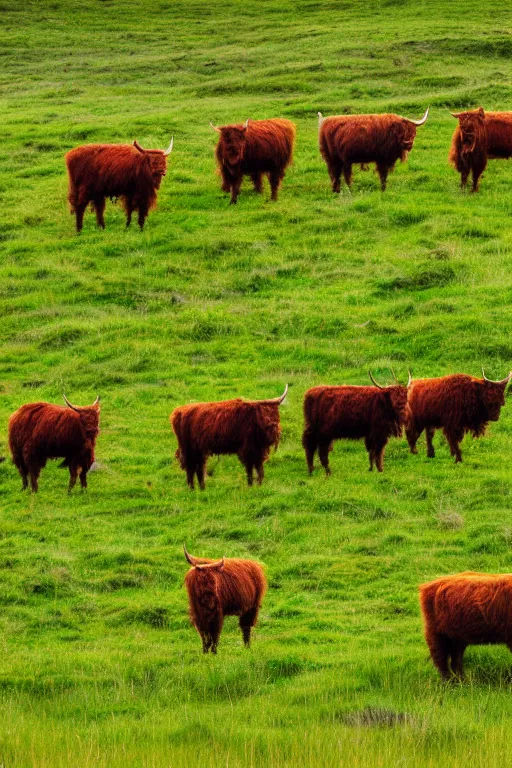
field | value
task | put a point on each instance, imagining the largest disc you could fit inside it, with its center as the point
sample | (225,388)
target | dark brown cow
(42,431)
(465,609)
(255,148)
(346,140)
(243,427)
(479,136)
(124,171)
(353,412)
(457,404)
(227,587)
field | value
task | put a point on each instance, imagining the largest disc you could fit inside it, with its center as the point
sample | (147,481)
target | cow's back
(499,134)
(343,411)
(269,145)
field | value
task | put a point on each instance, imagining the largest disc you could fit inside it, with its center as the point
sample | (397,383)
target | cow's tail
(427,602)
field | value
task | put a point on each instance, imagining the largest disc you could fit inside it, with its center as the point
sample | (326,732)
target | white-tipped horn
(423,119)
(246,123)
(169,149)
(410,378)
(214,127)
(275,400)
(321,118)
(138,146)
(70,405)
(371,377)
(97,401)
(503,381)
(188,557)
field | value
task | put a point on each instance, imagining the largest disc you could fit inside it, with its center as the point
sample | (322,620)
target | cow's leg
(310,444)
(200,470)
(429,434)
(412,434)
(464,178)
(347,175)
(371,453)
(128,206)
(143,212)
(235,190)
(439,647)
(323,455)
(379,456)
(22,469)
(457,652)
(383,171)
(260,472)
(247,621)
(83,477)
(275,179)
(99,207)
(73,474)
(257,181)
(226,182)
(454,439)
(191,470)
(79,213)
(34,476)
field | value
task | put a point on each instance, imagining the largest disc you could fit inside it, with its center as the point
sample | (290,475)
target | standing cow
(479,136)
(125,171)
(42,431)
(353,412)
(255,148)
(243,427)
(218,588)
(379,139)
(457,404)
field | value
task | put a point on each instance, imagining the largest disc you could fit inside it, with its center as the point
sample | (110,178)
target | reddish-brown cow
(42,431)
(465,609)
(457,404)
(346,140)
(479,136)
(243,427)
(373,413)
(124,171)
(227,587)
(255,148)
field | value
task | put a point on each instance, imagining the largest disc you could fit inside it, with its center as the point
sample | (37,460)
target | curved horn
(214,127)
(97,401)
(205,566)
(455,114)
(246,123)
(410,378)
(188,557)
(276,400)
(321,118)
(503,381)
(68,403)
(371,377)
(394,376)
(169,149)
(419,122)
(138,146)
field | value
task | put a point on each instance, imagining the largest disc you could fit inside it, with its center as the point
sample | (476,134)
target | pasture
(99,664)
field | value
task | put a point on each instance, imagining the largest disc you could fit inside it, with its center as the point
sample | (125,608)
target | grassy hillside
(99,664)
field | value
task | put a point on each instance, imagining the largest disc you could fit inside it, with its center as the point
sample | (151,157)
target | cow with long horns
(346,140)
(353,412)
(479,136)
(218,588)
(247,428)
(255,149)
(42,431)
(124,171)
(457,404)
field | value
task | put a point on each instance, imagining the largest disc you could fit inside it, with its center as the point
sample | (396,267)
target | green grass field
(99,665)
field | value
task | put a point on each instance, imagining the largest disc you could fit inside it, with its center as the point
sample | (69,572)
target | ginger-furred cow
(457,404)
(479,136)
(465,609)
(218,588)
(256,148)
(247,428)
(346,140)
(354,412)
(124,171)
(42,431)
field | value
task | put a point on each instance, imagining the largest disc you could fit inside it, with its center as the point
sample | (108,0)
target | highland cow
(465,609)
(124,171)
(227,587)
(457,404)
(479,136)
(346,140)
(243,427)
(253,149)
(42,431)
(353,412)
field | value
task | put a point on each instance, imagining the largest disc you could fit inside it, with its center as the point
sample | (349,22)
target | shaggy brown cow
(125,171)
(255,148)
(379,139)
(465,609)
(227,587)
(247,428)
(457,404)
(42,431)
(353,412)
(479,136)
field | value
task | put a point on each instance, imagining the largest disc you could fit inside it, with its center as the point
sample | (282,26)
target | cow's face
(471,124)
(398,399)
(232,139)
(494,398)
(158,165)
(407,135)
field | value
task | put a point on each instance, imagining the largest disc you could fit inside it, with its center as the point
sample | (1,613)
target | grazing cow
(247,428)
(457,404)
(125,171)
(479,136)
(255,148)
(218,588)
(465,609)
(42,431)
(353,412)
(363,139)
